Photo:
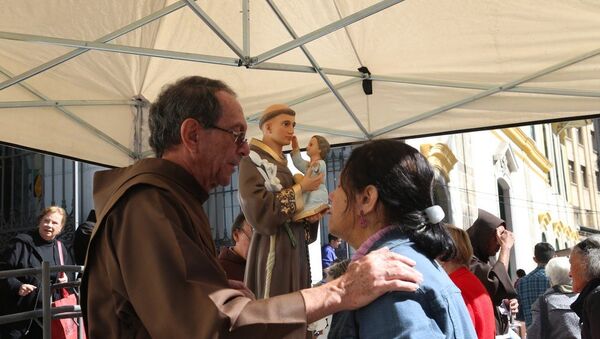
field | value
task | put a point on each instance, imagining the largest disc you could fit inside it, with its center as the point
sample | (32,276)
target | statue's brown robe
(268,212)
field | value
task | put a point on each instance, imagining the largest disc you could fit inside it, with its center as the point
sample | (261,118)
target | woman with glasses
(28,250)
(384,199)
(585,271)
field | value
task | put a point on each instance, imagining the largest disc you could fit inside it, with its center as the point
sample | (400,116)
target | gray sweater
(560,322)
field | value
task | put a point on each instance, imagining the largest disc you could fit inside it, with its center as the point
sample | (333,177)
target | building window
(557,244)
(580,135)
(572,171)
(594,142)
(584,177)
(598,181)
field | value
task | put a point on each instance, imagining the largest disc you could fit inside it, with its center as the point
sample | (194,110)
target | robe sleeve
(266,211)
(299,162)
(495,279)
(174,282)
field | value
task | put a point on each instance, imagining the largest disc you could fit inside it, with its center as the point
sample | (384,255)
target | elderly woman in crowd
(585,271)
(384,199)
(28,250)
(475,295)
(551,313)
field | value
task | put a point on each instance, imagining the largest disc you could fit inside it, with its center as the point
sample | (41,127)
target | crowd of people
(152,269)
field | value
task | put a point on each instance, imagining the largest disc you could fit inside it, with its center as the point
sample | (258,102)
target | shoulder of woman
(24,238)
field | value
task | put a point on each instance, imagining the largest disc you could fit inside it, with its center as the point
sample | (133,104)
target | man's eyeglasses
(238,137)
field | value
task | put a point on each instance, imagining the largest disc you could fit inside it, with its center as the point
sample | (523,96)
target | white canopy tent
(75,75)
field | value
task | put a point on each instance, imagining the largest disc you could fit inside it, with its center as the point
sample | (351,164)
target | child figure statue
(317,149)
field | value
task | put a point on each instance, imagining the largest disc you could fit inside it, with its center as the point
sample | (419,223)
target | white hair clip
(434,214)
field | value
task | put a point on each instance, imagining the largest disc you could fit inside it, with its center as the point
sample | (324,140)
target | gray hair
(557,271)
(190,97)
(589,251)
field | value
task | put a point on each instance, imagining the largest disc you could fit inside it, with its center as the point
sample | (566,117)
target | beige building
(542,179)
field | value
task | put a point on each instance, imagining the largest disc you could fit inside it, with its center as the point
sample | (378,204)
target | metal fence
(47,313)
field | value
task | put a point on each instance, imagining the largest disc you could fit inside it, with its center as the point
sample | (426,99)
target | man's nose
(244,150)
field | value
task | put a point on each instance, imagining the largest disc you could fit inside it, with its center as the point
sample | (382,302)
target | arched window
(441,195)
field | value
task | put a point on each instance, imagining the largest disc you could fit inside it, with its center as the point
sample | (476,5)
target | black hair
(331,237)
(238,224)
(521,273)
(543,252)
(404,182)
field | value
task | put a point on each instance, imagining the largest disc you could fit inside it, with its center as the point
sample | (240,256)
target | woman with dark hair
(384,199)
(585,271)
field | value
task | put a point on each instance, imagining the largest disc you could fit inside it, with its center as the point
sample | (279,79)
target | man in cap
(278,256)
(152,269)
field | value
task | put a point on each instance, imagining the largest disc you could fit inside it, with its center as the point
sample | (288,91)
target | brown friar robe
(152,269)
(493,274)
(268,212)
(233,263)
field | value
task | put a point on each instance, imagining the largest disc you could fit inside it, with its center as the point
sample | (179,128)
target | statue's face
(313,147)
(281,129)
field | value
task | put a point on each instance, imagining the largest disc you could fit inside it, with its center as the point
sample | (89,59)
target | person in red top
(475,295)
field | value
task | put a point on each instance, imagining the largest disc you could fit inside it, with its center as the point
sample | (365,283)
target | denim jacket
(435,310)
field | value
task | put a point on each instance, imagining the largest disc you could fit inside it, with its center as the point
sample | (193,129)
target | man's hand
(375,274)
(295,143)
(365,280)
(25,289)
(505,238)
(311,183)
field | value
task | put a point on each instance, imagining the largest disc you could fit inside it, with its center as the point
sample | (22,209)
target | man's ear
(368,199)
(189,132)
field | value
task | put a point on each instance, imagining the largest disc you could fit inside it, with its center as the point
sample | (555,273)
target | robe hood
(481,231)
(110,185)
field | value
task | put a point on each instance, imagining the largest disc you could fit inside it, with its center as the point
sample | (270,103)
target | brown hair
(53,209)
(323,146)
(464,250)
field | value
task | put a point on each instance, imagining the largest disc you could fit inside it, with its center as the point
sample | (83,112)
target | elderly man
(585,271)
(152,269)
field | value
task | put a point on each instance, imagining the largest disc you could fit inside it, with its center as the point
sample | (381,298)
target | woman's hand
(25,289)
(62,278)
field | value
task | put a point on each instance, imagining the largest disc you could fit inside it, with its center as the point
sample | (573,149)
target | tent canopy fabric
(76,76)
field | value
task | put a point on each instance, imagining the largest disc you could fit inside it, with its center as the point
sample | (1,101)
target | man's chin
(225,181)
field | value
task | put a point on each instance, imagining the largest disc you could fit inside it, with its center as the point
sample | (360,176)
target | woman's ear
(369,198)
